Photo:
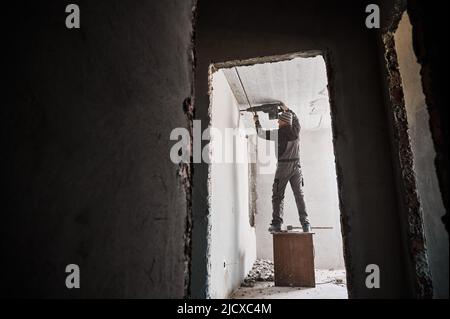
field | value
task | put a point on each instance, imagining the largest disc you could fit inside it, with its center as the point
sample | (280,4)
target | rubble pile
(262,271)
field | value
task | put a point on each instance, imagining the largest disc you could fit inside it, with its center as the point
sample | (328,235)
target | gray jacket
(286,139)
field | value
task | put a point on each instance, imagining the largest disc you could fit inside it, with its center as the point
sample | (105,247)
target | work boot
(306,227)
(274,228)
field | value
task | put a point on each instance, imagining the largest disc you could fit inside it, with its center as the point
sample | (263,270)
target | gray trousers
(288,172)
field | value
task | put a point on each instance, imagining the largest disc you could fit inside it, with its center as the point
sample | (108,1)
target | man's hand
(256,120)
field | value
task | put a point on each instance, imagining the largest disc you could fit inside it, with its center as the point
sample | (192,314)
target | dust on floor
(330,284)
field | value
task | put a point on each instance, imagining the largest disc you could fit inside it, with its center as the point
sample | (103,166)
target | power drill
(273,109)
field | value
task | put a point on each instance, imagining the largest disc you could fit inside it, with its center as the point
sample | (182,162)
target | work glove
(256,120)
(284,107)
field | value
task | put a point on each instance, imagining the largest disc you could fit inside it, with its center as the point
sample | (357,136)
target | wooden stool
(293,256)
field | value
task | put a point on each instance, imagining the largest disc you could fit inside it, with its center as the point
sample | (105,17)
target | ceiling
(301,83)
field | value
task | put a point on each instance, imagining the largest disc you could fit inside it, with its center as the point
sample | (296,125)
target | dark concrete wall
(368,194)
(86,148)
(409,203)
(429,27)
(410,79)
(416,83)
(428,21)
(423,158)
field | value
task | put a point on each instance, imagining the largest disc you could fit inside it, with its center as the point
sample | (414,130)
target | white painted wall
(233,242)
(321,198)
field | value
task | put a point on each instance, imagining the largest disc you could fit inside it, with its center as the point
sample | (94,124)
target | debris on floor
(330,284)
(262,271)
(331,276)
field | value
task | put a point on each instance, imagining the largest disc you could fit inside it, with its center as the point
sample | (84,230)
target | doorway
(241,176)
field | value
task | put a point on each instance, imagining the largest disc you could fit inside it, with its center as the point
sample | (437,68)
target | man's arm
(295,124)
(295,127)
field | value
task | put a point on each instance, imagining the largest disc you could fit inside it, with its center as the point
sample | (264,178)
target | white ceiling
(301,83)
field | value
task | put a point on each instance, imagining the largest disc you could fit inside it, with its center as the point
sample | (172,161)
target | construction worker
(286,139)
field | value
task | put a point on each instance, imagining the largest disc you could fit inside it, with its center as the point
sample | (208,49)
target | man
(286,139)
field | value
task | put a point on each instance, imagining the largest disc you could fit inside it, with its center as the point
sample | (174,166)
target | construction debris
(262,271)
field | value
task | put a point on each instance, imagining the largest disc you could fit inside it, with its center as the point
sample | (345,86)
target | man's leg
(296,184)
(278,189)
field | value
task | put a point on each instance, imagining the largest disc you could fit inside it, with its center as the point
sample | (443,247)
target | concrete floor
(330,284)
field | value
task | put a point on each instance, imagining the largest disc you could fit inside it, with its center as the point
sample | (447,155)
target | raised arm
(295,129)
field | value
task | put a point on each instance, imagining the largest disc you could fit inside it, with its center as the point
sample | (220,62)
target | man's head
(285,119)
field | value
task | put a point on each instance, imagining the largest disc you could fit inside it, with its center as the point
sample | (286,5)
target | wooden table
(293,255)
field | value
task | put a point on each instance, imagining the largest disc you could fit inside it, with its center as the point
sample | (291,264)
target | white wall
(321,198)
(232,240)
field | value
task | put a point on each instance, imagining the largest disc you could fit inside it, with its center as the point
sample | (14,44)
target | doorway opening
(242,169)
